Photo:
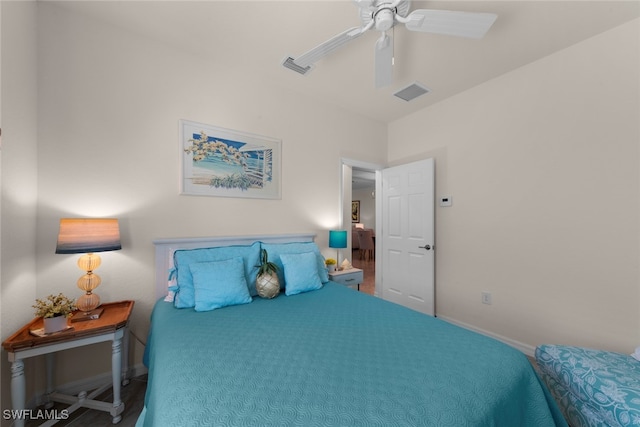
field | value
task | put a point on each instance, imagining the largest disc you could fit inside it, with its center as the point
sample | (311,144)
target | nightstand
(111,326)
(350,277)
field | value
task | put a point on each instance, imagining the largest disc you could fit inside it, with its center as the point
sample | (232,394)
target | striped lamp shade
(88,235)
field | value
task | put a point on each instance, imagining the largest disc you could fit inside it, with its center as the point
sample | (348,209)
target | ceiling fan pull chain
(393,40)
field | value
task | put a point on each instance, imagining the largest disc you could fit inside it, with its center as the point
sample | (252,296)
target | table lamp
(338,240)
(88,235)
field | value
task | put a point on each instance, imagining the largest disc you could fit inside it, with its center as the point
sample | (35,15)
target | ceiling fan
(382,15)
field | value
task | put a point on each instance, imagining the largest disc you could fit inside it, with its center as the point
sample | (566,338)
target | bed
(593,388)
(331,356)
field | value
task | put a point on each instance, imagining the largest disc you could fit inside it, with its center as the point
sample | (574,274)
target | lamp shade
(338,239)
(88,235)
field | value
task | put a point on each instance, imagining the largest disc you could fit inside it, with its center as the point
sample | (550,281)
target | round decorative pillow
(268,285)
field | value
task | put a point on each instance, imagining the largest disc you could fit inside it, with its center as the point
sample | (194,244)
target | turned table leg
(116,374)
(125,357)
(18,390)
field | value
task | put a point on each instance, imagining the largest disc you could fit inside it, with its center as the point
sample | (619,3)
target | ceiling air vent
(412,91)
(288,63)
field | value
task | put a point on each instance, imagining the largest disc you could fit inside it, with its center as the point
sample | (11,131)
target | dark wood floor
(132,395)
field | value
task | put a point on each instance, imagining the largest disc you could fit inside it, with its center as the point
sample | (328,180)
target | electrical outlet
(486,298)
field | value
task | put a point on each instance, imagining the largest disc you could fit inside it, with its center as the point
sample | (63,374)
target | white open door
(407,232)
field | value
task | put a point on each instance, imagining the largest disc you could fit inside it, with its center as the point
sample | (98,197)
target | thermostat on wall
(445,201)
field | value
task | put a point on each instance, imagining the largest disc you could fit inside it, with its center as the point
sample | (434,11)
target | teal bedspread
(333,357)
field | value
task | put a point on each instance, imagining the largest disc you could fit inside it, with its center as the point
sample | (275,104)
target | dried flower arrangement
(54,306)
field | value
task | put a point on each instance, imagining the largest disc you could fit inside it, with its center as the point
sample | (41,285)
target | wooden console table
(111,326)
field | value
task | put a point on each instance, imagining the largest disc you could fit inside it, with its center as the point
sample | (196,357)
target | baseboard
(525,348)
(86,384)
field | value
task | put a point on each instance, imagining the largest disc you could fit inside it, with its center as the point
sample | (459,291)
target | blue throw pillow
(182,258)
(276,249)
(300,272)
(219,284)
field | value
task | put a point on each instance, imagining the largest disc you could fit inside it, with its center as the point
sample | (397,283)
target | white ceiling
(256,36)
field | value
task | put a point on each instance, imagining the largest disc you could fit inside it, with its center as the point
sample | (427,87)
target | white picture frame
(227,163)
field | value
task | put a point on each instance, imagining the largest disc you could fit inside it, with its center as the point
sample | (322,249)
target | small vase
(331,268)
(55,324)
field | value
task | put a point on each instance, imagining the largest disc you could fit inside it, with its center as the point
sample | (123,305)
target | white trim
(361,165)
(525,348)
(344,212)
(377,168)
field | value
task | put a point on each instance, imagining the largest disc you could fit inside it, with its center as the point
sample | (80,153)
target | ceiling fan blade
(384,61)
(452,23)
(318,52)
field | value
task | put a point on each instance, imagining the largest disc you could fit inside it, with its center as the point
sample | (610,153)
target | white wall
(543,167)
(108,109)
(18,176)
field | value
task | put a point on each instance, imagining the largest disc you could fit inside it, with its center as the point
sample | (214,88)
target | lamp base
(88,302)
(82,316)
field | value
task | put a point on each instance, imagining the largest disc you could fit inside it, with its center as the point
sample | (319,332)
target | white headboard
(166,247)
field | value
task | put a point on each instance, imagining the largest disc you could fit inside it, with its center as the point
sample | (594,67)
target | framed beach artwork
(228,163)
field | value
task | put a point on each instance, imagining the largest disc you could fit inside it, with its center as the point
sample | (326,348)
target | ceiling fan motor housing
(384,19)
(383,13)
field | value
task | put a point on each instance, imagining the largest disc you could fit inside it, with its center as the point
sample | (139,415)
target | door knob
(427,247)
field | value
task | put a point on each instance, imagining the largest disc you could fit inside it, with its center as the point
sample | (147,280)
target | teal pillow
(276,249)
(300,273)
(219,284)
(183,258)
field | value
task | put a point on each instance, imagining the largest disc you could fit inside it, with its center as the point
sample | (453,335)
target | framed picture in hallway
(226,163)
(355,211)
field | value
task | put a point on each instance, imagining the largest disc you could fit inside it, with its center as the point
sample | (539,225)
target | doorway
(360,183)
(363,225)
(406,207)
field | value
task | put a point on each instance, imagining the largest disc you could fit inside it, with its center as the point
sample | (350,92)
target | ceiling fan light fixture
(412,91)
